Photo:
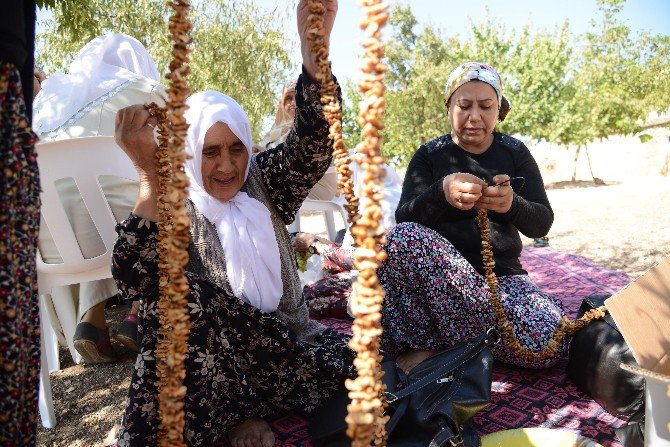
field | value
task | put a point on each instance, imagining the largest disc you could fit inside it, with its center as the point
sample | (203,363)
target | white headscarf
(102,65)
(243,224)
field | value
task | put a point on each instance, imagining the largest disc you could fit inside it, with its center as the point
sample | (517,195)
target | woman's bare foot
(253,432)
(408,360)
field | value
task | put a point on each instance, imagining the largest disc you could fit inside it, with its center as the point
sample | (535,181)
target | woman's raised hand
(134,133)
(463,190)
(309,59)
(497,198)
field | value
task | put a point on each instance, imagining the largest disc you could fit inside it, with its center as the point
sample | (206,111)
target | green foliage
(645,137)
(351,130)
(565,89)
(237,49)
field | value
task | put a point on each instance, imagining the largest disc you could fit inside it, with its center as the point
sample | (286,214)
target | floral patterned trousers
(436,299)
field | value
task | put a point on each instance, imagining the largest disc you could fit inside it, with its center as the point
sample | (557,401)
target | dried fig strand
(565,326)
(366,419)
(173,236)
(331,107)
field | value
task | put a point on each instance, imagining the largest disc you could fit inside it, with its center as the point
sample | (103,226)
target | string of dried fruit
(331,107)
(173,235)
(565,326)
(366,420)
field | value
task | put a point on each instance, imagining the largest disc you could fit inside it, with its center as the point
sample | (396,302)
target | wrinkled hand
(302,241)
(134,133)
(463,190)
(309,59)
(497,198)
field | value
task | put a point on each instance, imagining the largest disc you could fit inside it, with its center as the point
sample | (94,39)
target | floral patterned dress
(19,310)
(241,362)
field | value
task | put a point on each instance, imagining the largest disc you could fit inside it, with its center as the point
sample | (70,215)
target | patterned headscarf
(477,71)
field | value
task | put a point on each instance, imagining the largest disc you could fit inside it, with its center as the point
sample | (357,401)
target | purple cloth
(525,398)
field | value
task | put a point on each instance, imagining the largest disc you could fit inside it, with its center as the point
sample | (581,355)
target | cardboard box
(642,312)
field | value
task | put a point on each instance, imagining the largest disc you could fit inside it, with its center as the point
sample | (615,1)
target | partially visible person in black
(19,220)
(436,295)
(17,43)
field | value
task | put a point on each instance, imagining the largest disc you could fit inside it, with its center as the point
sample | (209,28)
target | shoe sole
(90,353)
(128,342)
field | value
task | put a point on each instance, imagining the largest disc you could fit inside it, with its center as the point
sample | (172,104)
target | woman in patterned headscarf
(436,293)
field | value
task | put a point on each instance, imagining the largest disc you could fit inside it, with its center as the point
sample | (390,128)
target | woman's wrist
(146,206)
(309,61)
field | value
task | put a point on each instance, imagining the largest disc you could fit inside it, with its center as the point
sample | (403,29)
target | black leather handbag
(596,352)
(430,407)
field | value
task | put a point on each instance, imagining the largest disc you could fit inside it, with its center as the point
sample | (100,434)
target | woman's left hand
(497,198)
(309,59)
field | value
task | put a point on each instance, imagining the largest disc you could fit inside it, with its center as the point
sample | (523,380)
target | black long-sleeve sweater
(423,199)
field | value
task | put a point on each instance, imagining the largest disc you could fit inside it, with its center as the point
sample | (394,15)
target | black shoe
(93,344)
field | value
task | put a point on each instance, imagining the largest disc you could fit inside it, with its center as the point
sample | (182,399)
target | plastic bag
(313,271)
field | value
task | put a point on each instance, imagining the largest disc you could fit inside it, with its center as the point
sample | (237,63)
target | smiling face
(224,162)
(473,113)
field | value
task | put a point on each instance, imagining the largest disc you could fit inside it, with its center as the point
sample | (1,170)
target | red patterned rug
(526,398)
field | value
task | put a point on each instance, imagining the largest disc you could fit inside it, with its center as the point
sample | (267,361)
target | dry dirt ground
(624,225)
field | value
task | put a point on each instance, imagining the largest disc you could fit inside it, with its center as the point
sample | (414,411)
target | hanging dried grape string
(565,326)
(173,235)
(331,107)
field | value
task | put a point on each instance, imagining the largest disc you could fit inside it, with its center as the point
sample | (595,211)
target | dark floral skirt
(241,363)
(19,223)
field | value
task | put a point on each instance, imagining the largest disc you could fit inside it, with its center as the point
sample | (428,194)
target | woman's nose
(225,165)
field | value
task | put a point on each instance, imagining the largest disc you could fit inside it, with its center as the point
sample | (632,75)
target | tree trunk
(574,172)
(666,164)
(596,180)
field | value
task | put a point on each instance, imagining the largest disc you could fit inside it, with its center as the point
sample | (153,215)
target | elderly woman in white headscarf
(110,72)
(253,351)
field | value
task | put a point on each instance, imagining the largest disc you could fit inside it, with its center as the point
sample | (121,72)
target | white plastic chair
(84,160)
(328,209)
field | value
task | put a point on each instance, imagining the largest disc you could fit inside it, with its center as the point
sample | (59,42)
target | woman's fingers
(499,201)
(501,179)
(497,191)
(139,117)
(462,190)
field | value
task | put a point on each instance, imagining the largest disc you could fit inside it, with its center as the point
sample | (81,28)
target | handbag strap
(446,438)
(491,337)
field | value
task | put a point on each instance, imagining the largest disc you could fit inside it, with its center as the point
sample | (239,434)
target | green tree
(237,49)
(615,83)
(418,68)
(533,67)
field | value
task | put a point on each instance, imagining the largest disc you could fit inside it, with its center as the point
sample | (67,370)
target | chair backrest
(84,160)
(327,207)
